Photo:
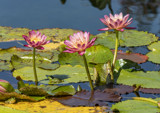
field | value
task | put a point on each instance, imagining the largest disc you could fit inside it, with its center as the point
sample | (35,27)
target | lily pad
(88,98)
(5,109)
(66,73)
(6,54)
(63,91)
(5,96)
(41,62)
(94,54)
(128,38)
(140,78)
(135,57)
(57,34)
(10,34)
(153,55)
(5,65)
(135,106)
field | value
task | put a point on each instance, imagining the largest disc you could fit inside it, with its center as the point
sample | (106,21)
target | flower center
(35,39)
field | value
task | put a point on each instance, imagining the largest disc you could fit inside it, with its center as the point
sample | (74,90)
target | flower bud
(5,86)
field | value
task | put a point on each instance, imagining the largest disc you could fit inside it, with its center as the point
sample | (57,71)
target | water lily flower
(79,42)
(35,40)
(116,22)
(5,86)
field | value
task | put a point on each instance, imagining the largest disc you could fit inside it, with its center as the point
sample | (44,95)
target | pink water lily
(116,22)
(79,42)
(35,40)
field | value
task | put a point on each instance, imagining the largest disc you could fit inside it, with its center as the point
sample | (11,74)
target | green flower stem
(34,67)
(116,49)
(145,99)
(87,71)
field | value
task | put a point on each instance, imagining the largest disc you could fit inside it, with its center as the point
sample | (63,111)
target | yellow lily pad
(51,106)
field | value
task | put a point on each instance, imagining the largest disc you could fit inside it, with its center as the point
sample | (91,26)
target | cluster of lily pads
(73,56)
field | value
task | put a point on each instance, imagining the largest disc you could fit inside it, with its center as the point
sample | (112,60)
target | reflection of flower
(79,42)
(35,40)
(5,86)
(116,22)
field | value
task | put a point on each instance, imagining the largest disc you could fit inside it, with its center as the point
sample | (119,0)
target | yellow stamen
(35,39)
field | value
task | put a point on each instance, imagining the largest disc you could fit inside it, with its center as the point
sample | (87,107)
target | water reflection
(101,4)
(145,12)
(63,1)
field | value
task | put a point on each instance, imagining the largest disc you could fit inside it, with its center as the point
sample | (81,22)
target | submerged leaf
(5,109)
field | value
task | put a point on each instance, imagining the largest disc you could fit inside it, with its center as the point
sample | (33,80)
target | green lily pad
(128,38)
(10,34)
(136,106)
(148,79)
(57,34)
(154,53)
(41,62)
(5,109)
(63,91)
(94,54)
(6,54)
(66,73)
(5,65)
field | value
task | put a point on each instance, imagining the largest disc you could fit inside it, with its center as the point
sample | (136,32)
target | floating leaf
(5,65)
(57,34)
(87,98)
(154,53)
(33,91)
(140,78)
(135,57)
(119,89)
(136,106)
(49,106)
(150,90)
(26,73)
(66,73)
(127,38)
(63,91)
(6,54)
(5,96)
(10,110)
(94,54)
(10,34)
(41,62)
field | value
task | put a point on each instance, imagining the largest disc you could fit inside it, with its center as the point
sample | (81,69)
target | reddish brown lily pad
(135,57)
(88,98)
(150,90)
(120,89)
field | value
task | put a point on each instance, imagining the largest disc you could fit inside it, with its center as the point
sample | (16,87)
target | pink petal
(40,47)
(69,51)
(81,52)
(104,29)
(130,27)
(27,46)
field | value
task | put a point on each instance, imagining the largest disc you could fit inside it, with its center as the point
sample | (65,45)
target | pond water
(81,15)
